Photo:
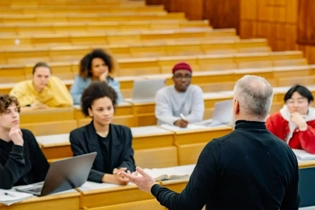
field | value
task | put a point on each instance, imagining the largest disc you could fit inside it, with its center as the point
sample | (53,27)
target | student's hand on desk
(144,182)
(38,105)
(118,178)
(181,123)
(16,135)
(117,170)
(299,121)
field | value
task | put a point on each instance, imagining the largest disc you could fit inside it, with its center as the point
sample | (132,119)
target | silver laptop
(63,175)
(145,90)
(221,115)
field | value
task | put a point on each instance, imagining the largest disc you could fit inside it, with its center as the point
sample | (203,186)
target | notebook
(162,174)
(303,155)
(145,90)
(63,175)
(222,114)
(9,197)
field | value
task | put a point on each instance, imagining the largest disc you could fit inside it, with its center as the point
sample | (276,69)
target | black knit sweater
(21,165)
(249,168)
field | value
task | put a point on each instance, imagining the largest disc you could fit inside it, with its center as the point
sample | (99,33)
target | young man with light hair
(249,168)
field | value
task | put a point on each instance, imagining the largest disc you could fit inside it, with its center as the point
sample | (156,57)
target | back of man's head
(254,95)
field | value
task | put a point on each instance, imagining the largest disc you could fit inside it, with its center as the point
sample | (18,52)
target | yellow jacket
(55,94)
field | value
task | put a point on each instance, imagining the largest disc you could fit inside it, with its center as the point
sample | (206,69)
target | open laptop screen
(63,175)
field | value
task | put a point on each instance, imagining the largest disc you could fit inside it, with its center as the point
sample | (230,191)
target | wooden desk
(55,146)
(144,113)
(5,88)
(306,163)
(30,115)
(50,128)
(157,157)
(190,142)
(199,135)
(109,196)
(148,137)
(69,200)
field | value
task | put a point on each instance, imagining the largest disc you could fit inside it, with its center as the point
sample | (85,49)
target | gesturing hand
(144,182)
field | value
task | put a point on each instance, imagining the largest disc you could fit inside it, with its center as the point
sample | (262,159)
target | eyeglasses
(179,76)
(298,102)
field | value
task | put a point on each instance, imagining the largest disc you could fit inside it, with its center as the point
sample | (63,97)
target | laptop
(221,115)
(63,175)
(145,90)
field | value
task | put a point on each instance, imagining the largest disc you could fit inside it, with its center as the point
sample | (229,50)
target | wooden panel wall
(306,28)
(272,19)
(154,2)
(276,20)
(222,13)
(192,8)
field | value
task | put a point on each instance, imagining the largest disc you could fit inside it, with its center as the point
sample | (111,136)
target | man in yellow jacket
(44,90)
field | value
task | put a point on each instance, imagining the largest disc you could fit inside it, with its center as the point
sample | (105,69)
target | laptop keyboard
(35,190)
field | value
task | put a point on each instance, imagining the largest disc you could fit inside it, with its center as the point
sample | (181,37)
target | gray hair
(254,94)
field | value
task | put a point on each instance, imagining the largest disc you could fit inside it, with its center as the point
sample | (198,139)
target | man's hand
(144,182)
(299,121)
(181,123)
(16,136)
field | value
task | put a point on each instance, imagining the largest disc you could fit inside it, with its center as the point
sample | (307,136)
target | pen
(182,116)
(9,194)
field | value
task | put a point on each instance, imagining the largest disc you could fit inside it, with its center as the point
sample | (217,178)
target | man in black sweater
(249,168)
(21,160)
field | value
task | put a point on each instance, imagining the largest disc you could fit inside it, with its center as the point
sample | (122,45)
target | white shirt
(169,104)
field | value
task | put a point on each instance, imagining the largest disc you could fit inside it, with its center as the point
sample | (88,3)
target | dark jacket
(85,140)
(249,168)
(22,165)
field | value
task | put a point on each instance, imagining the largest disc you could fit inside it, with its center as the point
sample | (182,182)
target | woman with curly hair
(113,143)
(94,66)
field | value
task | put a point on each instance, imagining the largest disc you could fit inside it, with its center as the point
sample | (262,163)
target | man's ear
(90,112)
(236,106)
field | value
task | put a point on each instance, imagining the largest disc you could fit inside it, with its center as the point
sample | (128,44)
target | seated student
(113,143)
(180,98)
(21,160)
(295,123)
(95,66)
(43,90)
